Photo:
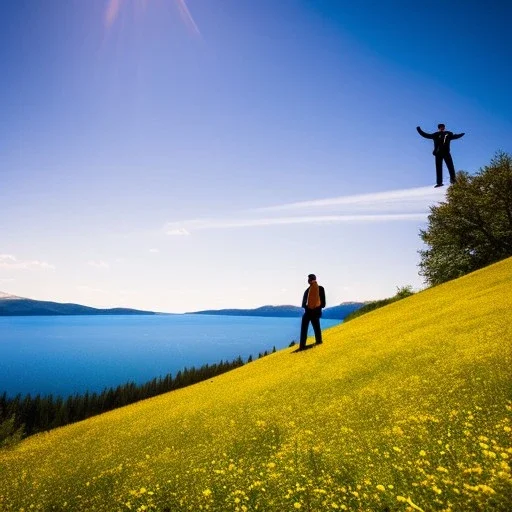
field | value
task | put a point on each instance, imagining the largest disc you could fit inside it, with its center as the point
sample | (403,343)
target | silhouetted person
(312,302)
(441,151)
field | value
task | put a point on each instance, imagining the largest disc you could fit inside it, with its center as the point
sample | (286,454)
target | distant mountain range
(11,305)
(336,312)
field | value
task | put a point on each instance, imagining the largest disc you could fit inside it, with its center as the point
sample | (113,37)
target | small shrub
(9,434)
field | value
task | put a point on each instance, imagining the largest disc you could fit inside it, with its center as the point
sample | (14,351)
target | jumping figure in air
(441,151)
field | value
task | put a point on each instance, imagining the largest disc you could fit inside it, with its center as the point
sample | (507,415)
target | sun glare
(114,7)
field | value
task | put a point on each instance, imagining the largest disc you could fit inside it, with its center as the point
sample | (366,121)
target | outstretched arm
(424,134)
(457,136)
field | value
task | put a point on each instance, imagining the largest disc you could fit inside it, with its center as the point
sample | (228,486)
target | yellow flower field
(407,408)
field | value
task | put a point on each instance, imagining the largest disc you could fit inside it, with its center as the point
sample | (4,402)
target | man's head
(441,127)
(311,278)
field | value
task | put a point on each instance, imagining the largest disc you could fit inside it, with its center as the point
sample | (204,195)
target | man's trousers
(447,157)
(314,318)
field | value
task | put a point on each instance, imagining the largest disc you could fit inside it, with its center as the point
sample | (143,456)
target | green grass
(406,408)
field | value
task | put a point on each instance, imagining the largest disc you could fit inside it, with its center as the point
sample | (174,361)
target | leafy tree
(473,227)
(403,291)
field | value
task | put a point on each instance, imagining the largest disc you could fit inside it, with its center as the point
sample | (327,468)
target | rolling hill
(407,408)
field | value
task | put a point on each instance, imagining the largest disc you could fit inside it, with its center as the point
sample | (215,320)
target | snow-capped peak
(4,295)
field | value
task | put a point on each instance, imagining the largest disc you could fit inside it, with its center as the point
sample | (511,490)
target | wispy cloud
(390,206)
(193,225)
(9,261)
(90,289)
(98,264)
(127,292)
(403,199)
(154,251)
(176,229)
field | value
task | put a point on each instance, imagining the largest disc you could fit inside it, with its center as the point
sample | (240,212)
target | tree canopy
(472,228)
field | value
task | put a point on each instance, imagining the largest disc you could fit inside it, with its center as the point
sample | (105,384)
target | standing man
(441,151)
(312,302)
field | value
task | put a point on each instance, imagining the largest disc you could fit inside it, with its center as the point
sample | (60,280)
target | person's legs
(439,170)
(304,330)
(315,322)
(451,168)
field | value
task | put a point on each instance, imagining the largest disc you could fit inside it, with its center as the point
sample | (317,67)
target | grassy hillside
(406,408)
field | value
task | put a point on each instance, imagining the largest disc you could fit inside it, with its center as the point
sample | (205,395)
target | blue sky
(176,156)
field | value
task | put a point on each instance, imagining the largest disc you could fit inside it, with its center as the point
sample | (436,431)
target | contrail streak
(408,195)
(187,17)
(185,227)
(410,204)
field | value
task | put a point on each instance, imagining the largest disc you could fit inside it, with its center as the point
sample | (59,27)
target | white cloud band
(9,261)
(98,264)
(393,199)
(391,206)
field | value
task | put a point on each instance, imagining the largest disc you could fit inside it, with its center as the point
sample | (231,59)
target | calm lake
(63,355)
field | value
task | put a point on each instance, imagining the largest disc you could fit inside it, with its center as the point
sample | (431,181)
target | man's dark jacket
(441,140)
(317,312)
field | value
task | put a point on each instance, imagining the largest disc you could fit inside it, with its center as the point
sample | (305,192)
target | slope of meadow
(406,408)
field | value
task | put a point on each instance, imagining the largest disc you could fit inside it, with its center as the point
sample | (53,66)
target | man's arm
(424,134)
(322,296)
(305,299)
(457,136)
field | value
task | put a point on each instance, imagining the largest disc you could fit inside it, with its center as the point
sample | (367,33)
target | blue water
(72,354)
